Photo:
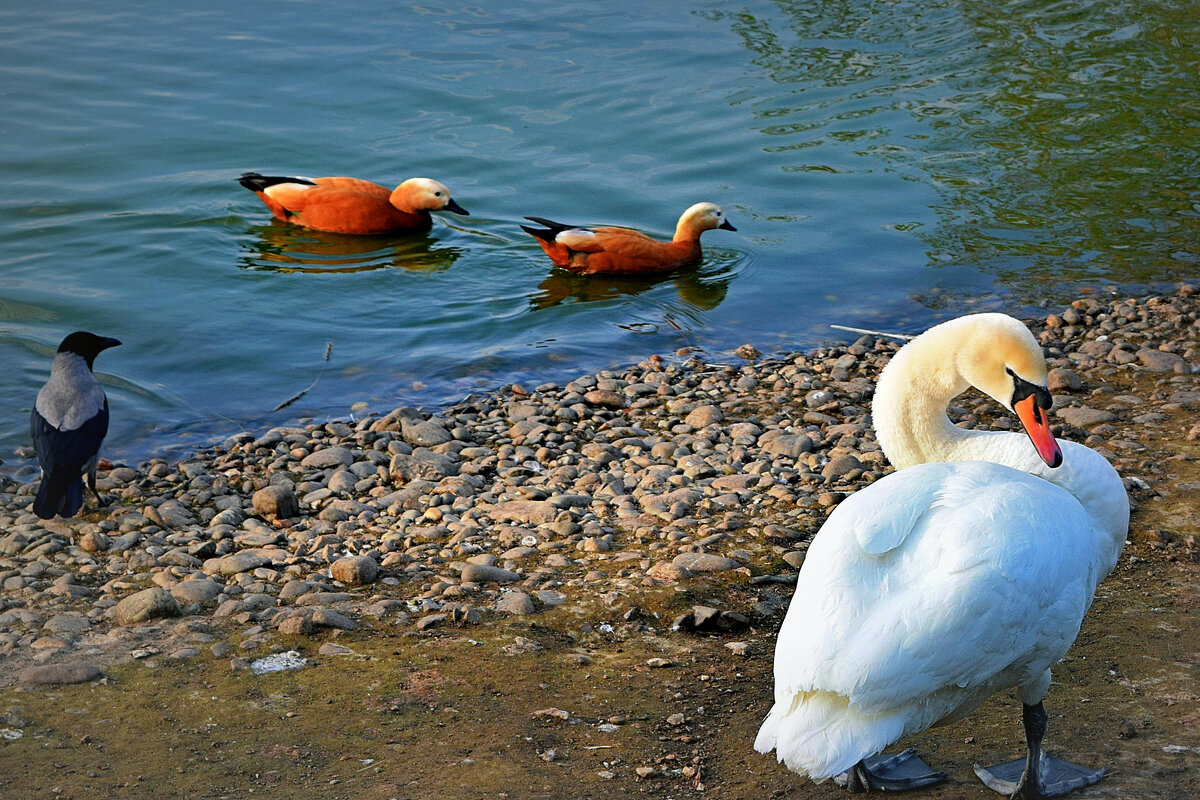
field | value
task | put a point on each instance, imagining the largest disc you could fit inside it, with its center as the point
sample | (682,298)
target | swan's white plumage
(942,583)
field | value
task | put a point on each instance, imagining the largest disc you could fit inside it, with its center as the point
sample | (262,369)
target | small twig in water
(905,336)
(304,391)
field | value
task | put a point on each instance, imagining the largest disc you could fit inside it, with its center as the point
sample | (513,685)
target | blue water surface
(887,164)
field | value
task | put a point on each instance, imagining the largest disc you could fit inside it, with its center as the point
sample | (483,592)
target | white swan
(967,571)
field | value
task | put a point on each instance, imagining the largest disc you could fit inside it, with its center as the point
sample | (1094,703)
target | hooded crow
(68,423)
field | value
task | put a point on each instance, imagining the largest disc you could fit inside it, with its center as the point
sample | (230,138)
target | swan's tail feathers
(819,734)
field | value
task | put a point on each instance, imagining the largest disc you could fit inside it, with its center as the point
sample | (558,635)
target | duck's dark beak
(725,226)
(456,208)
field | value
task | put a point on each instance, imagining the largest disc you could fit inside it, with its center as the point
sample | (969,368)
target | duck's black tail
(257,183)
(550,230)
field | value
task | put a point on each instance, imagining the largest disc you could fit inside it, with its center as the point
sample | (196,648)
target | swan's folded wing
(941,575)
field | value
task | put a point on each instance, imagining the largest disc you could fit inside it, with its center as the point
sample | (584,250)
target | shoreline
(505,488)
(183,438)
(667,502)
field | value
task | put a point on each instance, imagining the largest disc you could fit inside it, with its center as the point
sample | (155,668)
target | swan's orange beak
(1037,425)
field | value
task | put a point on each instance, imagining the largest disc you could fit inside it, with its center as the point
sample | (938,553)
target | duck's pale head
(425,194)
(702,217)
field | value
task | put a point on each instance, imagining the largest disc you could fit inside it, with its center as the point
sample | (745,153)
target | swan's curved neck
(909,415)
(909,409)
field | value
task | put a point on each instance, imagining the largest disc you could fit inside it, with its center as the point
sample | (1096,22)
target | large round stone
(482,573)
(147,604)
(59,673)
(355,570)
(276,502)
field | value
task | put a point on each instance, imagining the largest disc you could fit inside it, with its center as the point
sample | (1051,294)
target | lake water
(887,164)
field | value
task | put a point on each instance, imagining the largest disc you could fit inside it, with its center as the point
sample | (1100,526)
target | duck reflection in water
(279,247)
(703,289)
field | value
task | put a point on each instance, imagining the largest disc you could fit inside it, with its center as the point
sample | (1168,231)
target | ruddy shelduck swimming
(621,251)
(352,205)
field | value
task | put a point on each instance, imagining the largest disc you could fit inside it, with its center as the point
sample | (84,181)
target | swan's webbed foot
(1052,777)
(1055,778)
(897,773)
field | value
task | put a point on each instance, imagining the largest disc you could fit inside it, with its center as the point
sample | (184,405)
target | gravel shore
(615,489)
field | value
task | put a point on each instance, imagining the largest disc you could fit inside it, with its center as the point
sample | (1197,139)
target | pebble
(355,570)
(147,604)
(703,416)
(704,562)
(273,502)
(424,433)
(529,511)
(1061,379)
(296,625)
(483,573)
(791,445)
(1158,361)
(329,618)
(431,620)
(94,541)
(59,674)
(67,624)
(604,399)
(841,466)
(1188,400)
(327,458)
(196,591)
(515,603)
(1084,417)
(669,572)
(236,563)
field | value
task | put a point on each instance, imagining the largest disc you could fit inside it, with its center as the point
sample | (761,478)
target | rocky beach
(560,590)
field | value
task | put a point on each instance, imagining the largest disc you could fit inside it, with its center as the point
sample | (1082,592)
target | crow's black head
(86,345)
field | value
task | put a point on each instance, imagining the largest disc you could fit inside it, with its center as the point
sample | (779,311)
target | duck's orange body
(352,205)
(621,251)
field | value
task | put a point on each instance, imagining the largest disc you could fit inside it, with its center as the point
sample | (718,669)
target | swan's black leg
(1037,776)
(896,773)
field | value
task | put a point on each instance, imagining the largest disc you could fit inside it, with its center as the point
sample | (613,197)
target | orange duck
(351,205)
(621,251)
